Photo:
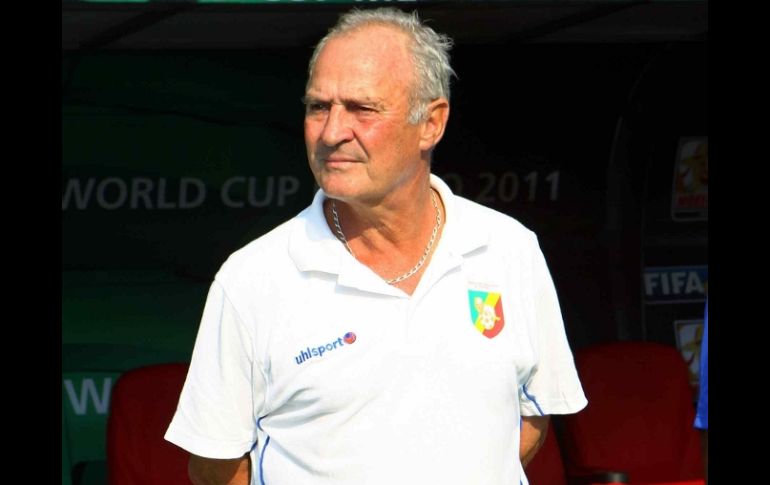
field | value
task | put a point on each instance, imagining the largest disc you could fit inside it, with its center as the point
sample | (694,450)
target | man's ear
(433,128)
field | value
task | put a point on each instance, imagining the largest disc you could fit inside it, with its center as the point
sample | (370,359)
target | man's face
(359,144)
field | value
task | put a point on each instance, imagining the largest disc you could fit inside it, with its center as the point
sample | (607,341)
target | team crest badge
(486,312)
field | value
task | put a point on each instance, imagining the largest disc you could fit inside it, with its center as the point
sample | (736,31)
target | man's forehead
(359,96)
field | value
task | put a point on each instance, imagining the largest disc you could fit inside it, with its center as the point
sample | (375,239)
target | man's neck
(391,241)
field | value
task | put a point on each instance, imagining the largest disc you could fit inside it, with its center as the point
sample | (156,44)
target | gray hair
(430,53)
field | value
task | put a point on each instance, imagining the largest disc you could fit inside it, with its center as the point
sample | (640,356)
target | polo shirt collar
(313,246)
(461,233)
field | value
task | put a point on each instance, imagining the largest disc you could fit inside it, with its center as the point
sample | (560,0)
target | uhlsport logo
(319,351)
(486,312)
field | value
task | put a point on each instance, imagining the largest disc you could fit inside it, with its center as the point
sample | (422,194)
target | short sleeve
(553,386)
(224,389)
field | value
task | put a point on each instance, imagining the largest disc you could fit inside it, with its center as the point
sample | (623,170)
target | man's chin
(334,191)
(338,187)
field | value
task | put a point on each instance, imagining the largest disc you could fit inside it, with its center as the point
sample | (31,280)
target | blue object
(702,415)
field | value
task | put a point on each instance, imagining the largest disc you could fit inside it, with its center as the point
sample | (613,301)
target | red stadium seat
(639,417)
(142,405)
(546,468)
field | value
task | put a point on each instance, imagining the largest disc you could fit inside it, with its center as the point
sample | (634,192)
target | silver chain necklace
(425,254)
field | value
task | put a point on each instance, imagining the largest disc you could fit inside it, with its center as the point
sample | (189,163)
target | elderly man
(392,332)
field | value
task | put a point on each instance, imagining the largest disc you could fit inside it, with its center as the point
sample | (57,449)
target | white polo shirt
(328,375)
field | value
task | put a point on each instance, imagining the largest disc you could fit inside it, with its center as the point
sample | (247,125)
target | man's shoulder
(265,255)
(499,225)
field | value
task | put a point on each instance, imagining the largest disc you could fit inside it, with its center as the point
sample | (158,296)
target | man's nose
(337,128)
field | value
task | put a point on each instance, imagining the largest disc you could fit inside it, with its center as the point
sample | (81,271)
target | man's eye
(362,109)
(316,107)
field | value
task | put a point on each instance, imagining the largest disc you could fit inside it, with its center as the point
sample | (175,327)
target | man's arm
(210,471)
(533,430)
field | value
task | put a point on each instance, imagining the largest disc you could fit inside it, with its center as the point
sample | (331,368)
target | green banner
(173,161)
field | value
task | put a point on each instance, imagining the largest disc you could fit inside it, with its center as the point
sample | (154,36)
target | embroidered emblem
(486,312)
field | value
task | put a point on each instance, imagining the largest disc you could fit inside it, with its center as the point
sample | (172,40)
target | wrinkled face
(359,144)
